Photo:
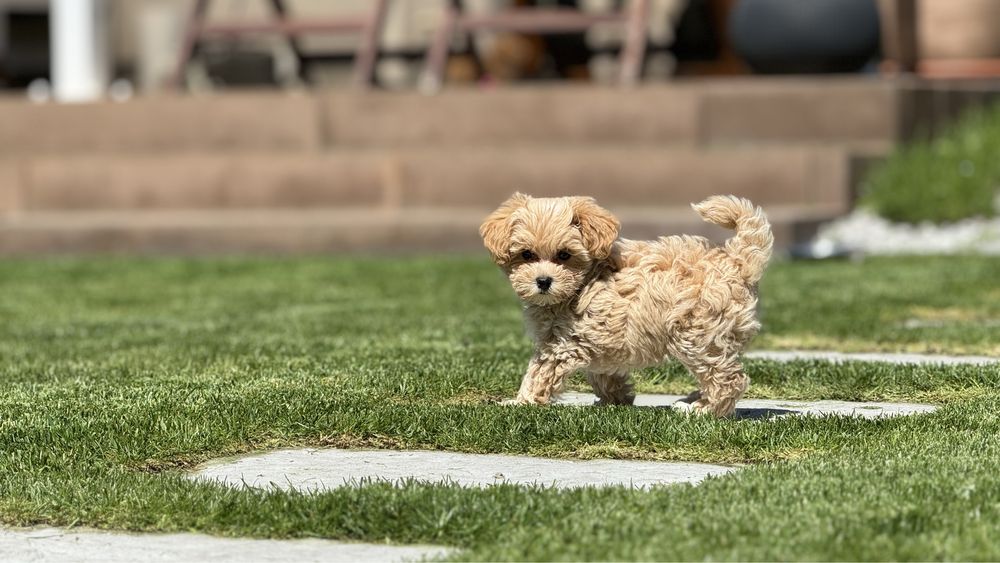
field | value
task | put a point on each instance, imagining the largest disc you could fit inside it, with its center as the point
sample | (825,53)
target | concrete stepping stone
(317,470)
(764,408)
(839,357)
(39,545)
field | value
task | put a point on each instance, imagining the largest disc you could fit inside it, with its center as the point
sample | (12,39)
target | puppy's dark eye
(563,255)
(527,255)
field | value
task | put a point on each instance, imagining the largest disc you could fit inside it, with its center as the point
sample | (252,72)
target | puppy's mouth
(541,297)
(540,287)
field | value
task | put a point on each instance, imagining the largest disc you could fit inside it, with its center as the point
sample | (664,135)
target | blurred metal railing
(368,25)
(537,20)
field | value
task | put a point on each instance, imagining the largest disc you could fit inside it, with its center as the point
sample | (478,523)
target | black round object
(805,36)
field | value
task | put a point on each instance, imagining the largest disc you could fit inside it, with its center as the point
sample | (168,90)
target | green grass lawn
(119,374)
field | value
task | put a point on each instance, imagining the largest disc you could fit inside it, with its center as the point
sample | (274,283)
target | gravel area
(867,233)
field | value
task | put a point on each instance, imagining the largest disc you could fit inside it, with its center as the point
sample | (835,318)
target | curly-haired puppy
(605,305)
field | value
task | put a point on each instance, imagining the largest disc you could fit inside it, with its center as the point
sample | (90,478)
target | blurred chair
(537,20)
(368,25)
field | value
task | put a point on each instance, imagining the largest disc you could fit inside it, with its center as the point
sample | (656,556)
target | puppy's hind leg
(612,388)
(721,383)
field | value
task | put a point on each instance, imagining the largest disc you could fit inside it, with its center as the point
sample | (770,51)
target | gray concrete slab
(42,545)
(316,470)
(762,408)
(923,359)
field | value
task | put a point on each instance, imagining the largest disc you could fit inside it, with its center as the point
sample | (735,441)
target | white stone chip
(865,232)
(41,545)
(317,470)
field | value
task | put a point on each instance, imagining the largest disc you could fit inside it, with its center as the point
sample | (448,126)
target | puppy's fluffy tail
(751,247)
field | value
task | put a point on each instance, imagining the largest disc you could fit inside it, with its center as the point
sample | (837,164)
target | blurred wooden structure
(368,25)
(537,20)
(901,25)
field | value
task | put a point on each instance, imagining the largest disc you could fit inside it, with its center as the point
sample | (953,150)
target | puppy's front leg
(546,375)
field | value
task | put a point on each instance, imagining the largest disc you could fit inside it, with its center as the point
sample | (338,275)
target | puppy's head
(548,245)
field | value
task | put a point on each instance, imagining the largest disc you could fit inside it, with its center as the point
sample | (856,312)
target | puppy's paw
(625,401)
(538,399)
(684,407)
(705,409)
(525,401)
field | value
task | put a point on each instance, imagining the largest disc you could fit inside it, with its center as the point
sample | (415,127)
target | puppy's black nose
(544,283)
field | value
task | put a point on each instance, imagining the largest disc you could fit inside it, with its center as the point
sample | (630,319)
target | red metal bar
(437,53)
(634,48)
(293,43)
(367,53)
(196,20)
(287,27)
(540,21)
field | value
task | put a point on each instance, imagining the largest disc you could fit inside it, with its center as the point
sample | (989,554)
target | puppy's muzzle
(543,283)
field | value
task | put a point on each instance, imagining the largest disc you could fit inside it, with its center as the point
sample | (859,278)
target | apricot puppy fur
(605,305)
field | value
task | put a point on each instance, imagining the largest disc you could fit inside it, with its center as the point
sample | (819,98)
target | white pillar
(80,59)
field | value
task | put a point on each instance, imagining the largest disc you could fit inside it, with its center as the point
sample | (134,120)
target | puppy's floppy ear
(497,229)
(597,225)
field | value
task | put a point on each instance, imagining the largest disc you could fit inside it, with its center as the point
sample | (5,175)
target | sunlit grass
(121,374)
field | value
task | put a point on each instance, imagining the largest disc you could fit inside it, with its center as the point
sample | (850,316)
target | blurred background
(311,126)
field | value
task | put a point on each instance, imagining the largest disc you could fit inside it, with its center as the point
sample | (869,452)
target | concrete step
(236,120)
(478,177)
(500,117)
(813,110)
(860,110)
(329,230)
